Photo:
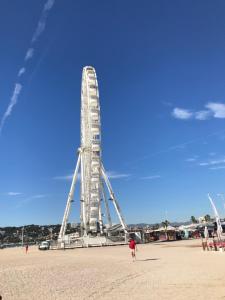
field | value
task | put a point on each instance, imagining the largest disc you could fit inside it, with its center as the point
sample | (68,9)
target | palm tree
(193,220)
(207,218)
(165,225)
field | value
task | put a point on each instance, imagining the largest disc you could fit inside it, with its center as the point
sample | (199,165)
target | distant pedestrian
(27,248)
(133,248)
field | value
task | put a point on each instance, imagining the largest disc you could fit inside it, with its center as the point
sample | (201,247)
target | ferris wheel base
(90,231)
(90,241)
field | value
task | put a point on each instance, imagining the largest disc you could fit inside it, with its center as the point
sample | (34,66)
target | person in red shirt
(133,248)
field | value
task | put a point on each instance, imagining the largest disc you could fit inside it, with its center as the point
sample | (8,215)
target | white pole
(100,217)
(219,227)
(116,205)
(106,205)
(82,196)
(69,200)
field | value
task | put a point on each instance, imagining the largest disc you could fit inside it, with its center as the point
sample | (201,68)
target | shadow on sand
(147,259)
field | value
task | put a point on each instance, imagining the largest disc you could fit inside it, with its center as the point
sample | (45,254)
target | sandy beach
(172,270)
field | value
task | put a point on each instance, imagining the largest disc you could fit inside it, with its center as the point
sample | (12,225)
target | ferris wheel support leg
(68,204)
(106,205)
(217,217)
(83,206)
(100,218)
(116,204)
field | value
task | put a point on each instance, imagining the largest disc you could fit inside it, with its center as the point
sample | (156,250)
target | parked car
(44,245)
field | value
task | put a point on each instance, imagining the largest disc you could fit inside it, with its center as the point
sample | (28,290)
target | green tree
(207,218)
(165,224)
(193,220)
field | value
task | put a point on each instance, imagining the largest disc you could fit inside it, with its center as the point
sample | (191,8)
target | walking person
(27,248)
(133,248)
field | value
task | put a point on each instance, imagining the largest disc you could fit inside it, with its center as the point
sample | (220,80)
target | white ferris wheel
(93,177)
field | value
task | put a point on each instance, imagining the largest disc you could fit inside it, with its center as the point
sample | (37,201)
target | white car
(44,246)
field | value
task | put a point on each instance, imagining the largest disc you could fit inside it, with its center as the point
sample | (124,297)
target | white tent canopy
(169,228)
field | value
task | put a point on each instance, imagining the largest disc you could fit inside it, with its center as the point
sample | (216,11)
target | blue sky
(161,72)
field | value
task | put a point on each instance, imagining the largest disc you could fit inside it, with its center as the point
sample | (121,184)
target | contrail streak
(28,56)
(42,21)
(12,103)
(21,71)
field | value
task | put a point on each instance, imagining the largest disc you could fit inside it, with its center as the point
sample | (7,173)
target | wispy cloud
(21,72)
(116,175)
(191,159)
(212,154)
(213,162)
(202,164)
(151,177)
(68,177)
(202,115)
(218,109)
(177,146)
(30,199)
(48,5)
(13,194)
(12,103)
(29,54)
(217,167)
(39,196)
(167,103)
(110,174)
(183,114)
(213,110)
(42,21)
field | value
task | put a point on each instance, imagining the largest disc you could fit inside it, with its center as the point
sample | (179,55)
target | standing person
(27,248)
(133,247)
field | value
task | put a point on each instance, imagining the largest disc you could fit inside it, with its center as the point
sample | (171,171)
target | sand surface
(172,270)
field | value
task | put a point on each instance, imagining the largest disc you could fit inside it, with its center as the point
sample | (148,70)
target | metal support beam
(69,201)
(106,205)
(83,204)
(217,217)
(100,217)
(116,204)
